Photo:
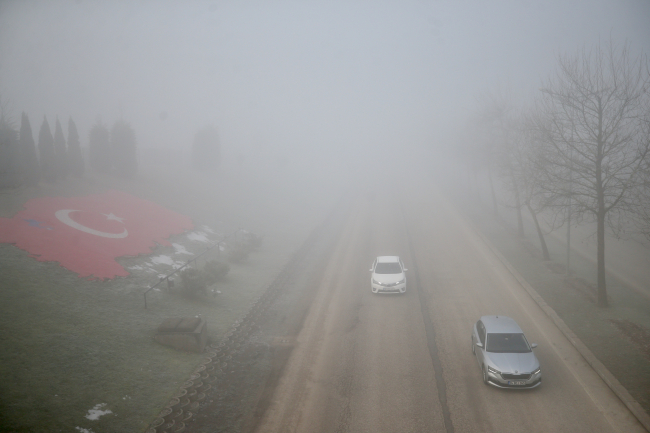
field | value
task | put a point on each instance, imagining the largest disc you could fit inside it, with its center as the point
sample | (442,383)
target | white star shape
(111,216)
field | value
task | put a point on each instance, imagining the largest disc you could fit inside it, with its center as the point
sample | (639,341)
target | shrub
(238,251)
(252,240)
(214,271)
(194,282)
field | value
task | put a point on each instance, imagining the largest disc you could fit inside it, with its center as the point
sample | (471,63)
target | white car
(388,275)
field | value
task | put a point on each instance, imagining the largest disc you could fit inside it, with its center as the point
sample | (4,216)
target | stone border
(613,383)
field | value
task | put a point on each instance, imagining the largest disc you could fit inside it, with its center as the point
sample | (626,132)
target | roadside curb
(613,383)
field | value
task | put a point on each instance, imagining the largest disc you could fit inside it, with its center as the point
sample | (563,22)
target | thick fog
(308,81)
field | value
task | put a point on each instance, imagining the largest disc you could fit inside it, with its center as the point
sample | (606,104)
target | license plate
(516,382)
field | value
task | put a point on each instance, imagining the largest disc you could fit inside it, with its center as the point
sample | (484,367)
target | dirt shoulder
(247,364)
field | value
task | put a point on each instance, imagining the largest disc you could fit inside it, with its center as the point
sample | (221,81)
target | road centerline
(430,331)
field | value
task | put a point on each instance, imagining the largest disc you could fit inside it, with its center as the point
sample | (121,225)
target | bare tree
(590,122)
(641,199)
(498,125)
(482,144)
(468,150)
(529,172)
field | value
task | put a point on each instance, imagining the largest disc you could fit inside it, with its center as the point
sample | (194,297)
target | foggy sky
(310,79)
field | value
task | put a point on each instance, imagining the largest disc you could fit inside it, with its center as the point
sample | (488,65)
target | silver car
(504,355)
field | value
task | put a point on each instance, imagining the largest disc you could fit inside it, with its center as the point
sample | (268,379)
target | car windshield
(388,268)
(507,343)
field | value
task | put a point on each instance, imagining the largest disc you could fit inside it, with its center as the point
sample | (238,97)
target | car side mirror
(371,270)
(479,344)
(534,345)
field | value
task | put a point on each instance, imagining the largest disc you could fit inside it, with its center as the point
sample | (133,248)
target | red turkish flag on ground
(86,234)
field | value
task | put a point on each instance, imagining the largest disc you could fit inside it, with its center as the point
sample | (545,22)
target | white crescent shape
(64,216)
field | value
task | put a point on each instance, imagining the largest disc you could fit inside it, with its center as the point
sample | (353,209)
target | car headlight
(375,281)
(403,280)
(538,371)
(492,370)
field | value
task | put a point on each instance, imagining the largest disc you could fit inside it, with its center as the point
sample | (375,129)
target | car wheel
(485,375)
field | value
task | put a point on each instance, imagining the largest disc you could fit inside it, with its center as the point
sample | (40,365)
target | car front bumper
(378,288)
(498,381)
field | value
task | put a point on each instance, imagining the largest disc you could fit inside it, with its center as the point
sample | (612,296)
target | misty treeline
(206,149)
(579,152)
(113,151)
(23,161)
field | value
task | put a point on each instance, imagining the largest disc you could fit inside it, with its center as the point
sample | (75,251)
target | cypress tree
(60,151)
(9,156)
(123,146)
(46,152)
(206,149)
(75,157)
(99,148)
(28,157)
(9,151)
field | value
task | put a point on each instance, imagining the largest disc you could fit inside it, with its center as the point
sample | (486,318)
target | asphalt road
(403,363)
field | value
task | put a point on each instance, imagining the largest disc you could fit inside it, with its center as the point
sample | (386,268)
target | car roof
(387,259)
(501,325)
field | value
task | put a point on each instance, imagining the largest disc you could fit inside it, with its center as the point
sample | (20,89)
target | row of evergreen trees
(55,159)
(206,149)
(115,150)
(23,162)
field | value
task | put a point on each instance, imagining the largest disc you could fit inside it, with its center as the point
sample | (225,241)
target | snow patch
(96,412)
(166,260)
(84,430)
(198,236)
(162,260)
(180,249)
(208,229)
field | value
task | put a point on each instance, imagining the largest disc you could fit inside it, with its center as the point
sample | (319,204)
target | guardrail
(189,262)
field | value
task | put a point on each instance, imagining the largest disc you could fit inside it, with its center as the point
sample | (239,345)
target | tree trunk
(520,221)
(494,196)
(602,287)
(600,213)
(542,241)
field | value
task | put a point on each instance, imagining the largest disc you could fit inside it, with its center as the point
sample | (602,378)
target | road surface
(403,363)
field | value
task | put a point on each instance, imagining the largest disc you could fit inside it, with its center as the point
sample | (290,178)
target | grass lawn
(70,344)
